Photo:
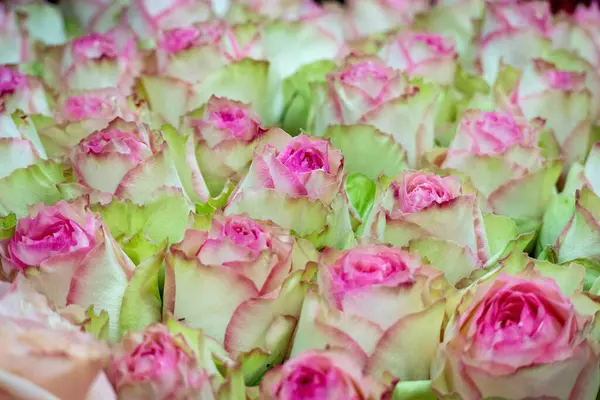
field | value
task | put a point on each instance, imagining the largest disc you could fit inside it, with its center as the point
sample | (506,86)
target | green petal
(367,150)
(361,193)
(414,390)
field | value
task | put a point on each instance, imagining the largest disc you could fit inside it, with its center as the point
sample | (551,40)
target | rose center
(10,81)
(95,47)
(305,160)
(234,119)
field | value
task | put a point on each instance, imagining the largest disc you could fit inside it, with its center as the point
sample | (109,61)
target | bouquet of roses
(280,199)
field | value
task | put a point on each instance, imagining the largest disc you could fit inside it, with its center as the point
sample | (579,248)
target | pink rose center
(359,269)
(437,43)
(10,81)
(95,47)
(247,233)
(366,70)
(236,120)
(419,191)
(114,141)
(494,133)
(305,159)
(82,107)
(563,80)
(307,382)
(180,39)
(515,314)
(590,14)
(46,235)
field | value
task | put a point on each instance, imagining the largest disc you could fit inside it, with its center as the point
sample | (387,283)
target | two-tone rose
(373,301)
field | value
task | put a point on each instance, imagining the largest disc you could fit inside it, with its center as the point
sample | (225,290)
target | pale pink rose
(420,205)
(95,46)
(178,39)
(318,375)
(365,298)
(55,231)
(304,167)
(10,80)
(109,159)
(417,191)
(81,107)
(155,364)
(48,353)
(225,134)
(21,92)
(367,17)
(95,61)
(428,55)
(225,120)
(364,268)
(356,90)
(256,250)
(68,255)
(518,338)
(492,133)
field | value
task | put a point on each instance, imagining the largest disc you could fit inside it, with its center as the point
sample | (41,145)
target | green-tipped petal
(367,150)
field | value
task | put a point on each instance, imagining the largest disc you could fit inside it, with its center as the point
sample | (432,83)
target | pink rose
(306,166)
(95,46)
(113,159)
(318,375)
(55,231)
(365,298)
(421,206)
(155,364)
(565,80)
(432,56)
(67,254)
(250,261)
(49,354)
(418,191)
(96,61)
(356,90)
(493,133)
(514,331)
(20,92)
(499,153)
(178,39)
(10,81)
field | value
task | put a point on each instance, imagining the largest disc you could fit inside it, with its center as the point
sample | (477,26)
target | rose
(119,157)
(419,191)
(78,114)
(67,253)
(373,300)
(296,175)
(20,29)
(513,32)
(515,331)
(303,167)
(198,61)
(579,32)
(434,216)
(147,20)
(45,355)
(373,16)
(318,375)
(96,61)
(155,364)
(562,99)
(500,154)
(431,56)
(224,133)
(367,91)
(20,92)
(249,260)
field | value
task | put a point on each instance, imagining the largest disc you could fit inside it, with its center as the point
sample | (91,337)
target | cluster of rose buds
(290,199)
